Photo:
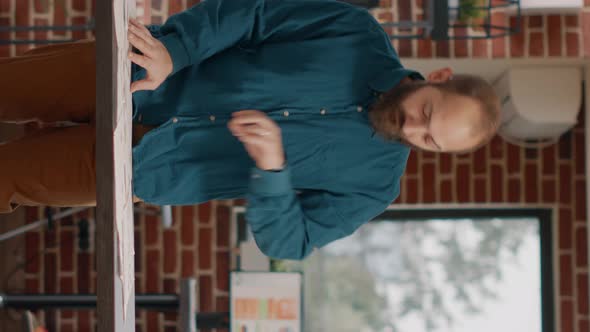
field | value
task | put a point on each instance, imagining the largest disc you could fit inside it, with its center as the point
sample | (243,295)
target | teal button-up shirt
(313,66)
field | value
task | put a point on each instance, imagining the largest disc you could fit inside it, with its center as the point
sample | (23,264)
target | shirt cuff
(270,183)
(178,53)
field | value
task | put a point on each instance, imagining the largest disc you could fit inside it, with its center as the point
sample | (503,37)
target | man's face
(428,118)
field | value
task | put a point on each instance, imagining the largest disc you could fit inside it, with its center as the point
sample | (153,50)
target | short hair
(483,92)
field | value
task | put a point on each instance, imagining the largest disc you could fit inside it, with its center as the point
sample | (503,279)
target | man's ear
(440,76)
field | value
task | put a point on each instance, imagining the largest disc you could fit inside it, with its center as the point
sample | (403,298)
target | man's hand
(261,137)
(155,59)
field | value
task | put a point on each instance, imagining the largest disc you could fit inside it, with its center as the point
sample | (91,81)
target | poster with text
(265,302)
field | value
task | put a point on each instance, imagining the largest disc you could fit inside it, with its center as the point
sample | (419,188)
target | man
(301,107)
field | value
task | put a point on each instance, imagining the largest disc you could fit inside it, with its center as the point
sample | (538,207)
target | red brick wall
(198,243)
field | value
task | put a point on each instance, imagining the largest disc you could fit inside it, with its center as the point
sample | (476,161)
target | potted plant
(469,12)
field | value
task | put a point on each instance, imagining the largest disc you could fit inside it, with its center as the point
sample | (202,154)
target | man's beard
(387,115)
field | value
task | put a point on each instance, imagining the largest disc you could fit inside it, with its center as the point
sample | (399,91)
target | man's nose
(414,128)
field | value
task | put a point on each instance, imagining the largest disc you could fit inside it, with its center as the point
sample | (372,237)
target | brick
(548,156)
(385,3)
(582,291)
(79,34)
(496,148)
(572,44)
(50,269)
(517,39)
(66,286)
(187,231)
(428,183)
(32,285)
(175,6)
(32,247)
(498,44)
(187,263)
(480,161)
(514,156)
(497,183)
(565,146)
(59,17)
(531,154)
(565,229)
(152,271)
(31,214)
(50,320)
(554,35)
(463,180)
(580,201)
(66,327)
(479,48)
(5,6)
(152,321)
(461,45)
(80,5)
(170,251)
(170,286)
(412,164)
(205,248)
(480,191)
(138,284)
(549,191)
(443,49)
(536,44)
(571,21)
(157,4)
(586,33)
(567,316)
(66,250)
(581,247)
(411,191)
(83,272)
(535,21)
(83,320)
(152,229)
(446,191)
(531,185)
(222,304)
(566,278)
(514,195)
(584,325)
(405,48)
(204,213)
(239,202)
(445,163)
(425,48)
(223,229)
(205,294)
(565,184)
(138,246)
(580,153)
(50,238)
(222,272)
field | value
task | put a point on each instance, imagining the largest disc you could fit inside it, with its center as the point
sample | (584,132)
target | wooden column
(114,214)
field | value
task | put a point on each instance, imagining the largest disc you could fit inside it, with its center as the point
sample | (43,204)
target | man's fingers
(139,59)
(139,43)
(140,30)
(252,117)
(252,139)
(141,85)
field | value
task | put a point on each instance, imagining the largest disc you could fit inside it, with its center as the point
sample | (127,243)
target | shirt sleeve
(288,225)
(213,26)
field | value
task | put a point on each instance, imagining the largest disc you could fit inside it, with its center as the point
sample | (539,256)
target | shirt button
(285,113)
(174,119)
(323,111)
(359,109)
(212,118)
(140,117)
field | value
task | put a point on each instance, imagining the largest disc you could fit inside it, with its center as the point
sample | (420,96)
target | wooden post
(114,214)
